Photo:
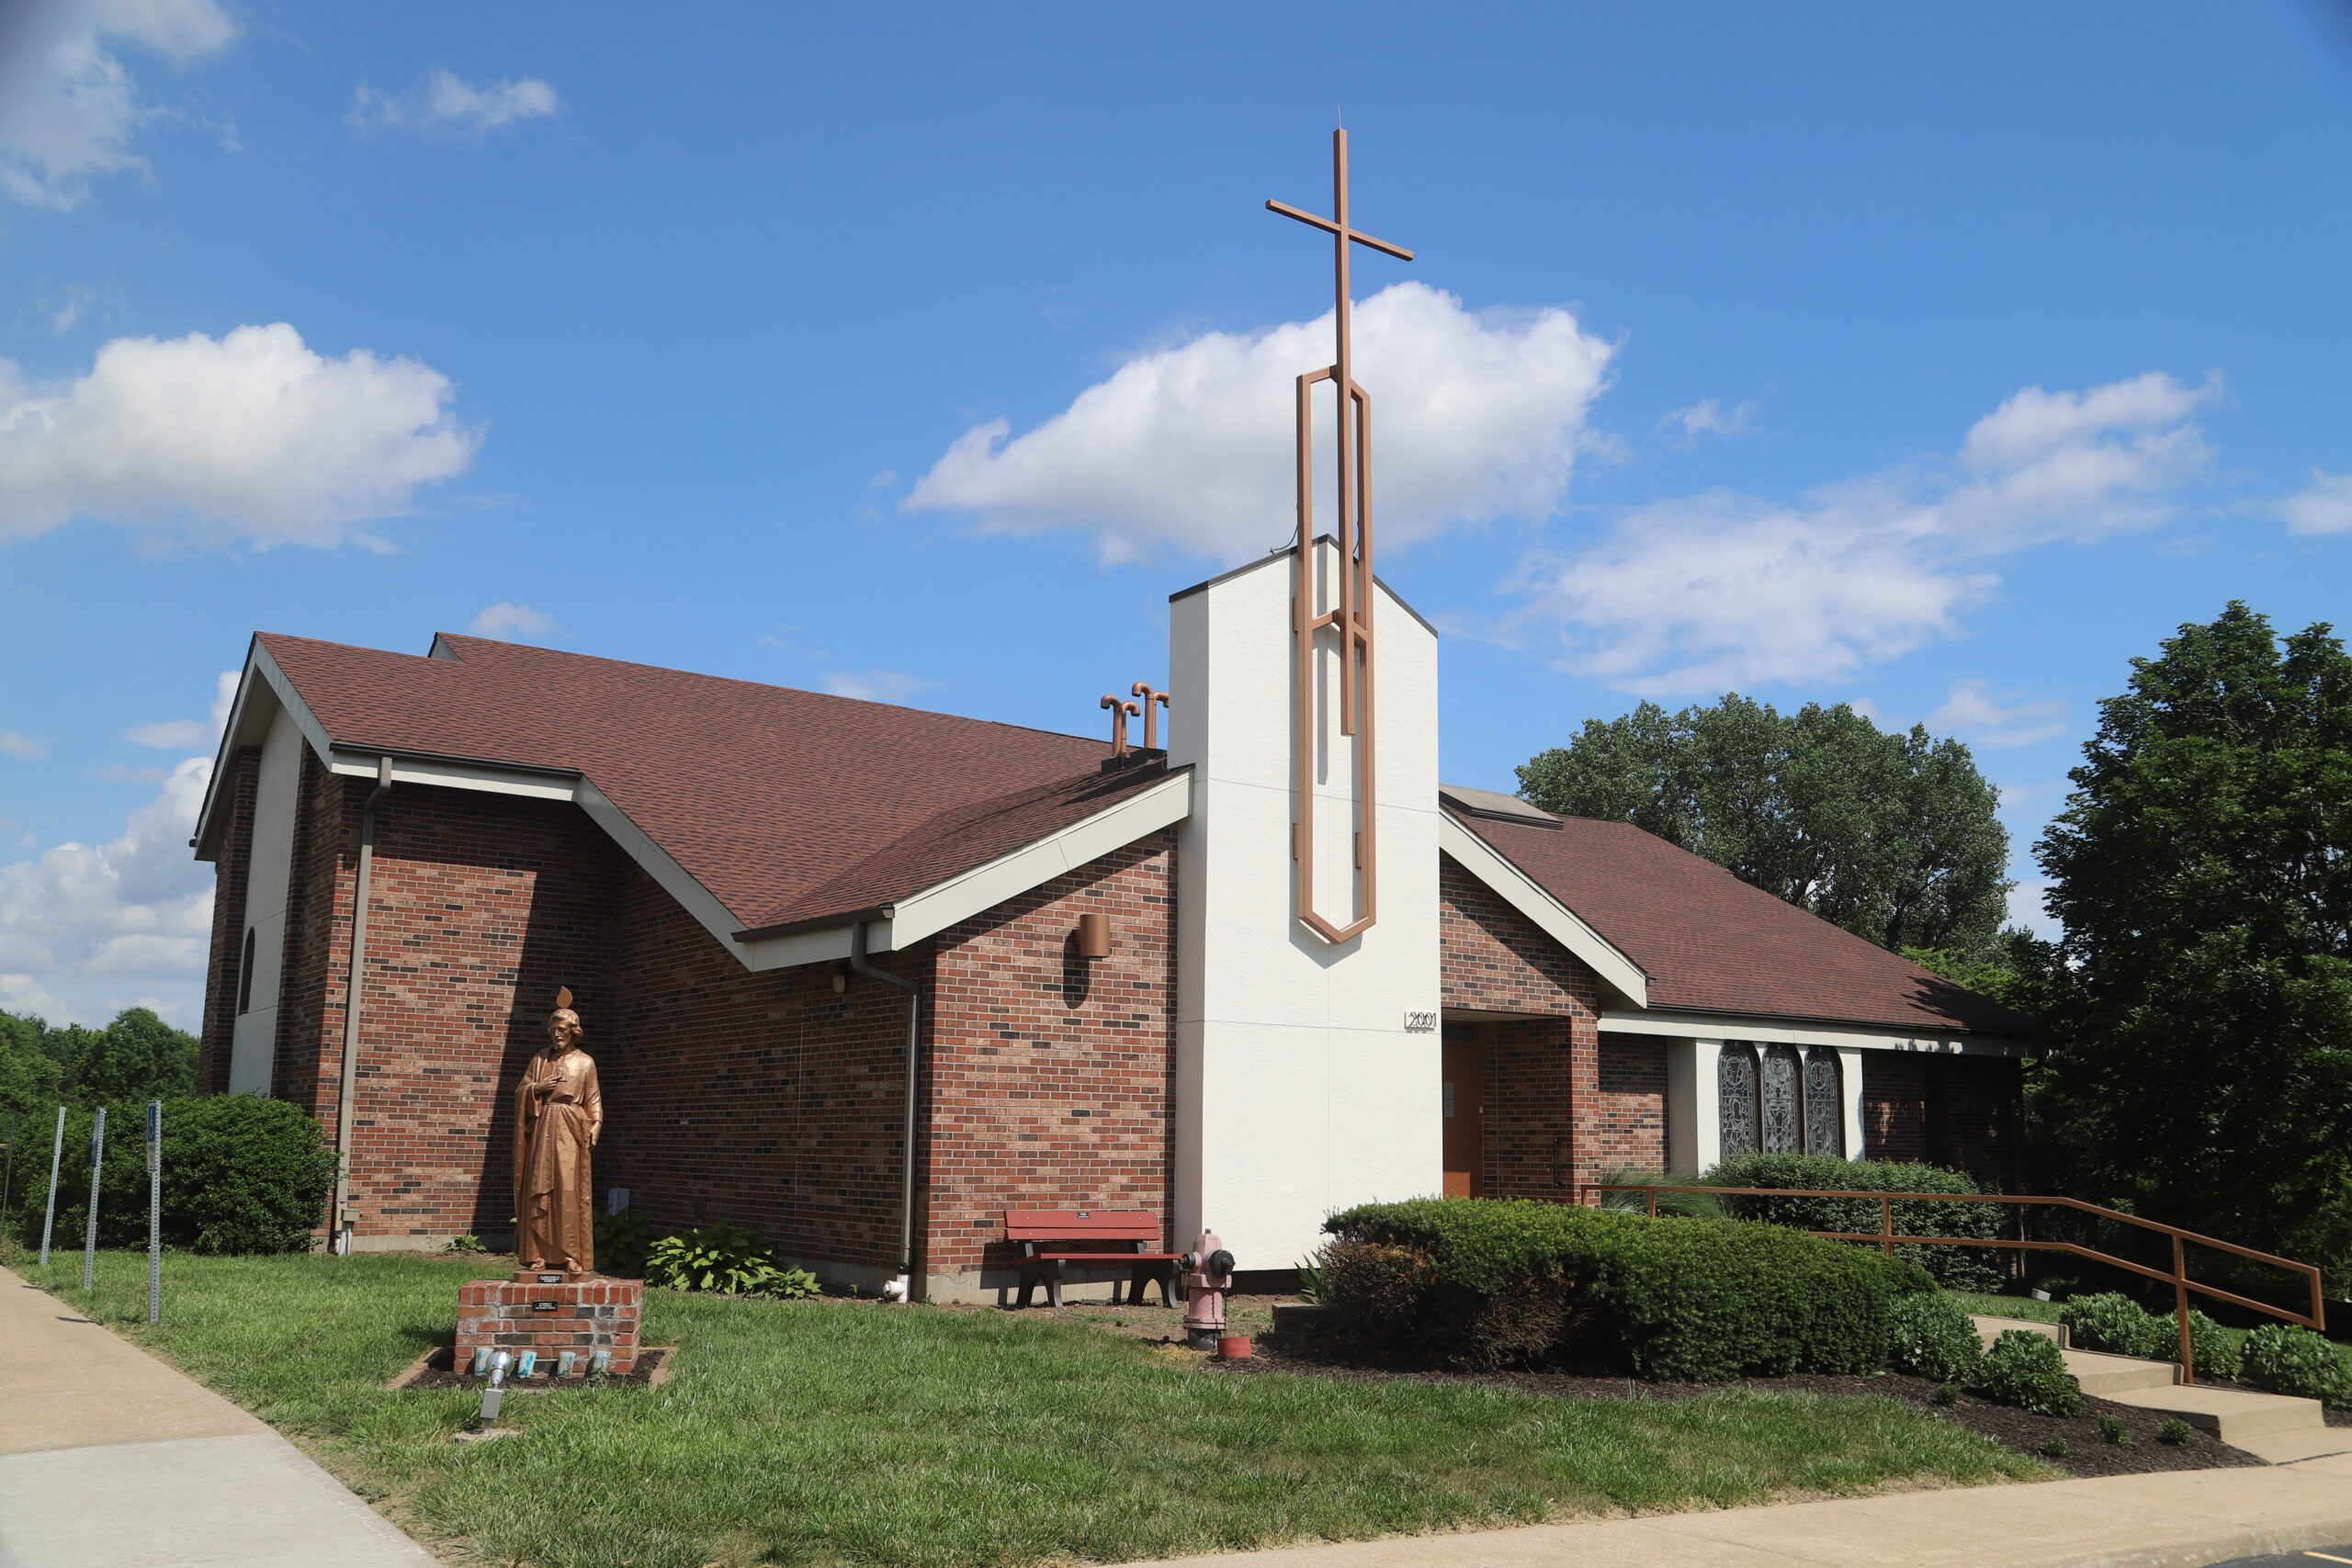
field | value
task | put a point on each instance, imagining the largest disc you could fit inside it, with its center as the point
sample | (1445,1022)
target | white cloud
(16,743)
(168,734)
(69,108)
(444,101)
(1972,712)
(1708,417)
(1474,417)
(2324,508)
(874,685)
(520,620)
(253,436)
(1714,591)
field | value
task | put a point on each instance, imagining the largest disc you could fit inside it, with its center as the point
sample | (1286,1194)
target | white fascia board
(966,894)
(1783,1032)
(1531,898)
(262,690)
(485,777)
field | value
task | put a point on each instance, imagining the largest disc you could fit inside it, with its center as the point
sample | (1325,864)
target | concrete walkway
(109,1458)
(2181,1518)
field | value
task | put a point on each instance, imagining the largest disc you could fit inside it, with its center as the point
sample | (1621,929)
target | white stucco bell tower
(1308,1071)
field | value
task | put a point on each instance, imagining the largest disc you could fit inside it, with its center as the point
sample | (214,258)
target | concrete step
(2111,1377)
(2286,1448)
(1991,1328)
(2229,1413)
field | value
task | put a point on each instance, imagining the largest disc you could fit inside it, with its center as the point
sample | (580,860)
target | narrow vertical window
(245,975)
(1782,1128)
(1825,1107)
(1736,1099)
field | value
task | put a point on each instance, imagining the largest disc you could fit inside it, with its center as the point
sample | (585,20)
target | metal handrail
(1886,1238)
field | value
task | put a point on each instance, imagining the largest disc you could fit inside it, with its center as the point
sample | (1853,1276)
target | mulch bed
(436,1369)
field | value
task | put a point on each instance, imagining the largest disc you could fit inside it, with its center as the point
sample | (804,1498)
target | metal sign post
(56,1154)
(90,1233)
(154,1210)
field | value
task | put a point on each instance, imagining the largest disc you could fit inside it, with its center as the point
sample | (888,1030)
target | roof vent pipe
(902,1288)
(341,1217)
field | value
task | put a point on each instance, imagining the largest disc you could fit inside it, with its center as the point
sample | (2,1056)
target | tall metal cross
(1353,614)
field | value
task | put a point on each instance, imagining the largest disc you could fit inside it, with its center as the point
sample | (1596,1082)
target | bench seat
(1114,1238)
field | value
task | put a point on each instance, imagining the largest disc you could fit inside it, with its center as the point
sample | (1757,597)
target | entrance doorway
(1466,1117)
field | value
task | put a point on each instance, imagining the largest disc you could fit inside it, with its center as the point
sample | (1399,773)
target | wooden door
(1466,1118)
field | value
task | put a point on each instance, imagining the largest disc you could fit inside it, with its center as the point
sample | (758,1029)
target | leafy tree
(1892,836)
(2201,1070)
(136,1057)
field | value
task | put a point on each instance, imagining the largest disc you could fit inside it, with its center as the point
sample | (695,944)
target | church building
(863,977)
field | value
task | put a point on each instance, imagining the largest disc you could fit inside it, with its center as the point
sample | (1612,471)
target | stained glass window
(1824,1111)
(1736,1096)
(1784,1131)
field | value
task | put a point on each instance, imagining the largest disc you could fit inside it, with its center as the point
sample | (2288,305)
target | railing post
(1653,1203)
(1886,1223)
(2180,1309)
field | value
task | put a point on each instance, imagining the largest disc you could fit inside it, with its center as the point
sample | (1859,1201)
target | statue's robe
(557,1113)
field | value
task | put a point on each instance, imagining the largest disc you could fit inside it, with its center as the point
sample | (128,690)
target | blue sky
(1940,358)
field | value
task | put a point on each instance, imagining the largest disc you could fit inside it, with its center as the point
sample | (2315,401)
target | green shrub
(2029,1371)
(1954,1267)
(1930,1337)
(1691,1205)
(464,1244)
(2116,1324)
(2286,1358)
(241,1174)
(2112,1429)
(2177,1432)
(727,1259)
(1484,1282)
(2057,1448)
(1947,1393)
(1310,1279)
(2220,1352)
(622,1242)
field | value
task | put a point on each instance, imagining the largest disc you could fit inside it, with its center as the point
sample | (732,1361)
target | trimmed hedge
(1480,1282)
(1930,1337)
(1954,1267)
(2113,1322)
(241,1174)
(2286,1358)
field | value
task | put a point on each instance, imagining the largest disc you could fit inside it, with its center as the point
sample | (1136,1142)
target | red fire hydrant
(1208,1274)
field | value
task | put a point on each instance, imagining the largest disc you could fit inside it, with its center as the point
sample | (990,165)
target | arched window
(1736,1097)
(245,975)
(1783,1128)
(1825,1109)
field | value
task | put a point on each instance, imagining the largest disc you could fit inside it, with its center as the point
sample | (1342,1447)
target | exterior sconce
(841,978)
(1093,936)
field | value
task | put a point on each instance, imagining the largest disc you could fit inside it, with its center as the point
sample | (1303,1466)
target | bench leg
(1054,1287)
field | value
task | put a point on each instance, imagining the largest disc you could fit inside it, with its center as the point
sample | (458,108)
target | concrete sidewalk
(2171,1519)
(109,1458)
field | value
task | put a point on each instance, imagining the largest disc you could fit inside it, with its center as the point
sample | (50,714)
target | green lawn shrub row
(2286,1358)
(2028,1370)
(241,1174)
(1487,1283)
(2114,1322)
(1954,1267)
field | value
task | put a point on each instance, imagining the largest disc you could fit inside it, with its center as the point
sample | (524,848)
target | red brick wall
(1546,1109)
(1958,1112)
(1053,1078)
(1628,1125)
(1895,1105)
(229,878)
(768,1099)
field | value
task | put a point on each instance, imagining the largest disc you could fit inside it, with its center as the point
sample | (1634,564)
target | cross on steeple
(1353,615)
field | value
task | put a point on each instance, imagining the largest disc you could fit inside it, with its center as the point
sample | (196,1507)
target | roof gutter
(906,1281)
(342,1216)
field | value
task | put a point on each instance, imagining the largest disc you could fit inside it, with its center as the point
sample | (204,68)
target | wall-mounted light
(841,978)
(1094,936)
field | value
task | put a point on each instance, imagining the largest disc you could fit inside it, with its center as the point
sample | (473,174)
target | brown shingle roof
(1712,944)
(786,805)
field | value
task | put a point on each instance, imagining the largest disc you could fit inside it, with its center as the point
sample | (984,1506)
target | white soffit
(1784,1032)
(1531,898)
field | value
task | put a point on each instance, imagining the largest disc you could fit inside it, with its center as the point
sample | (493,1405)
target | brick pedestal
(583,1315)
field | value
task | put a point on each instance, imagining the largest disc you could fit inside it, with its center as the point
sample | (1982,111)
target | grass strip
(838,1433)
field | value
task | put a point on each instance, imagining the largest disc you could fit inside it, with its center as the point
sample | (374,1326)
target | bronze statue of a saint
(557,1113)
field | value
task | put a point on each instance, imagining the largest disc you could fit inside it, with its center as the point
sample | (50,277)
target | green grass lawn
(838,1433)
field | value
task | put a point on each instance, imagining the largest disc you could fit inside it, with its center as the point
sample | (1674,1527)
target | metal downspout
(341,1217)
(914,1039)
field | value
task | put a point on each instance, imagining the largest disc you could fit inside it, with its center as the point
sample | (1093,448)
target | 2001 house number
(1420,1023)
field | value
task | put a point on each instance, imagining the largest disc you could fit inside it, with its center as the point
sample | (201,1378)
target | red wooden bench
(1101,1238)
